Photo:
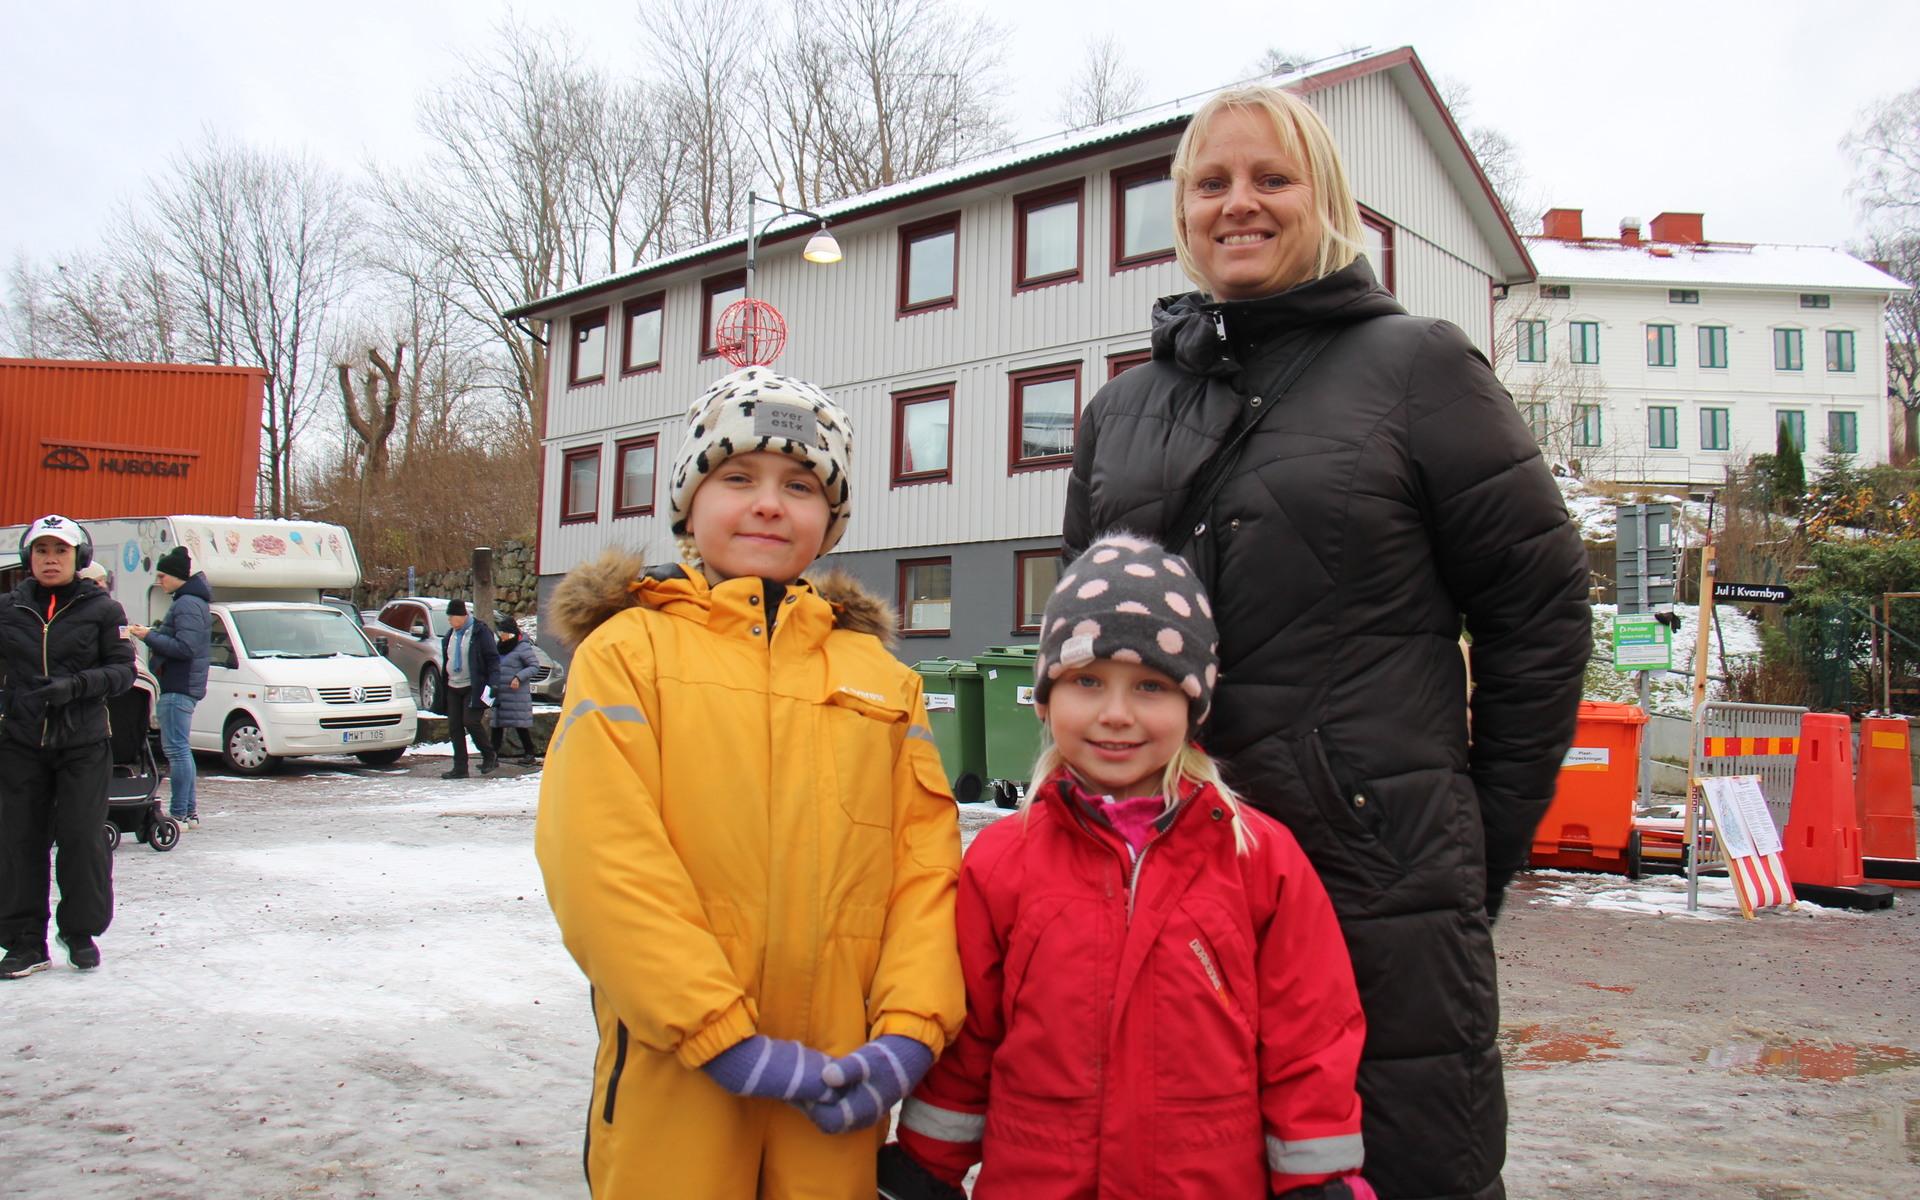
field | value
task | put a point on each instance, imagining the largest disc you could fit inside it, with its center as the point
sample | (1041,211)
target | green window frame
(1789,350)
(1660,346)
(1713,347)
(1586,425)
(1663,427)
(1840,351)
(1713,429)
(1534,412)
(1795,421)
(1530,341)
(1843,432)
(1584,337)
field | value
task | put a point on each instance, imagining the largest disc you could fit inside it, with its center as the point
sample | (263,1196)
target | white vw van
(288,676)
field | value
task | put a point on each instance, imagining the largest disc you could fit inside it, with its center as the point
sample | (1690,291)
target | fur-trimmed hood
(611,583)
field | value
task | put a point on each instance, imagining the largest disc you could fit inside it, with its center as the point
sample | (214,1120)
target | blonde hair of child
(1191,765)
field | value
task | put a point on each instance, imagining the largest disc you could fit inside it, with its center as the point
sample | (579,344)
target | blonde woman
(1356,488)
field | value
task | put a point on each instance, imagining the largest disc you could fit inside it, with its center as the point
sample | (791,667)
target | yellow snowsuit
(741,833)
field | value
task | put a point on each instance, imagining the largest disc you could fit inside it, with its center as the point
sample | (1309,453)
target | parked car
(408,631)
(346,608)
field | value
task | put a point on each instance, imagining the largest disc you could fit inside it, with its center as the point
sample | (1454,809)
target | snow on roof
(1715,264)
(1167,115)
(1021,153)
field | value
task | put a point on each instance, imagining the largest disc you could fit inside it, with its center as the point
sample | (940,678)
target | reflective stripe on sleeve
(921,732)
(1316,1156)
(619,713)
(945,1125)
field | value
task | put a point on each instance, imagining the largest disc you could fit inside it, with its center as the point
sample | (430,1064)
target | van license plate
(364,735)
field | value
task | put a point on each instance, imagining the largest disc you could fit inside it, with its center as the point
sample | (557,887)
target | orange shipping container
(91,439)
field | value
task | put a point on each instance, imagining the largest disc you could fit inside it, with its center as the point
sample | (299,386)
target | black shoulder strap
(1212,475)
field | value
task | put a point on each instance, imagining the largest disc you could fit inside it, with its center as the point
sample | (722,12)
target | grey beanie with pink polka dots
(1127,599)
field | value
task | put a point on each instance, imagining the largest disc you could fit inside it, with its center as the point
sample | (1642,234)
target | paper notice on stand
(1740,816)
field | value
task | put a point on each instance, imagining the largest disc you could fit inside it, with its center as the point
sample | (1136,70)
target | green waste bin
(957,713)
(1013,731)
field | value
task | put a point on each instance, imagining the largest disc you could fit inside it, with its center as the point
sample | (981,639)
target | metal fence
(1739,739)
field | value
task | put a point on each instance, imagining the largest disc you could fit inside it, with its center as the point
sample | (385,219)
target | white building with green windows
(974,315)
(1666,358)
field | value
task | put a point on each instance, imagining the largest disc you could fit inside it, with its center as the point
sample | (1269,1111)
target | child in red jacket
(1159,1000)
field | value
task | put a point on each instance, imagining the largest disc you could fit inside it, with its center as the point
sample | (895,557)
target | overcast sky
(1731,109)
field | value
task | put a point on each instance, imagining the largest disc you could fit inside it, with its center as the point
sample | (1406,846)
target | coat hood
(1211,337)
(597,590)
(196,586)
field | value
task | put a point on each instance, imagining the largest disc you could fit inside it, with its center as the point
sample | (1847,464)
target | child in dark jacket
(1159,999)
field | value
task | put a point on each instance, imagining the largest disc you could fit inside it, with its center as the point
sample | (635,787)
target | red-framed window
(1042,414)
(1035,574)
(923,435)
(1126,360)
(1143,215)
(1047,234)
(587,355)
(929,265)
(716,293)
(580,485)
(635,463)
(642,320)
(926,597)
(1376,235)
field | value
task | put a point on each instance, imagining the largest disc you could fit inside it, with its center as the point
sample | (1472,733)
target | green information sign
(1641,643)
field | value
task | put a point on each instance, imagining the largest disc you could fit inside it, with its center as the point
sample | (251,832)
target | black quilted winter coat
(85,639)
(1392,498)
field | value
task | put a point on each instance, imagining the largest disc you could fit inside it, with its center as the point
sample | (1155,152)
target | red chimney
(1561,223)
(1629,231)
(1684,229)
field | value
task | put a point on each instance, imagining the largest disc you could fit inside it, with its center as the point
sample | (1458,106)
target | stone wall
(514,581)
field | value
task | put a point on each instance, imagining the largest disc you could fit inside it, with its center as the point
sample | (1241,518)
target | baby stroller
(133,790)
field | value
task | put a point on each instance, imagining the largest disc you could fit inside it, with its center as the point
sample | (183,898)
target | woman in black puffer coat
(64,649)
(1388,499)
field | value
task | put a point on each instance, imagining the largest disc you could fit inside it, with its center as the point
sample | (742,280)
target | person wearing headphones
(64,648)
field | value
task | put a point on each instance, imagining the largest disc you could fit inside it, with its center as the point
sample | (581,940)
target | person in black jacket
(64,649)
(470,654)
(1385,497)
(179,650)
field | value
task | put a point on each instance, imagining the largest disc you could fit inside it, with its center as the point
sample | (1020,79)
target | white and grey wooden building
(975,312)
(1660,357)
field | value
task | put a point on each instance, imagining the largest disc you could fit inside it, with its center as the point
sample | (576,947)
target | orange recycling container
(1590,823)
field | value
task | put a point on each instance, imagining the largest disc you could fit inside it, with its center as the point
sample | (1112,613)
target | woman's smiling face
(1252,228)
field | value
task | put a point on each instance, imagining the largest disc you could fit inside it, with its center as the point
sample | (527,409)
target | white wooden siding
(1749,387)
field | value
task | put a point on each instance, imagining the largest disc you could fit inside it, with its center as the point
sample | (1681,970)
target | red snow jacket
(1180,1025)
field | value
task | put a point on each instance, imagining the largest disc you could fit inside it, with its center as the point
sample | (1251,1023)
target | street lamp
(821,248)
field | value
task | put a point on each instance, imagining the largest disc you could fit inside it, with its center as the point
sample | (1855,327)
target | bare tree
(704,66)
(115,305)
(1499,158)
(1899,253)
(910,87)
(369,415)
(1885,148)
(254,249)
(1106,86)
(504,209)
(1553,395)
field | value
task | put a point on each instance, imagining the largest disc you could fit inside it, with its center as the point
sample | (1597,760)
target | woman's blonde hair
(1305,137)
(1192,765)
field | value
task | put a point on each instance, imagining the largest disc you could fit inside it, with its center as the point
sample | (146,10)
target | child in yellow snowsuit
(747,838)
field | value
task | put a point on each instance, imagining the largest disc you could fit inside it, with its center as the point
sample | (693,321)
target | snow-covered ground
(347,983)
